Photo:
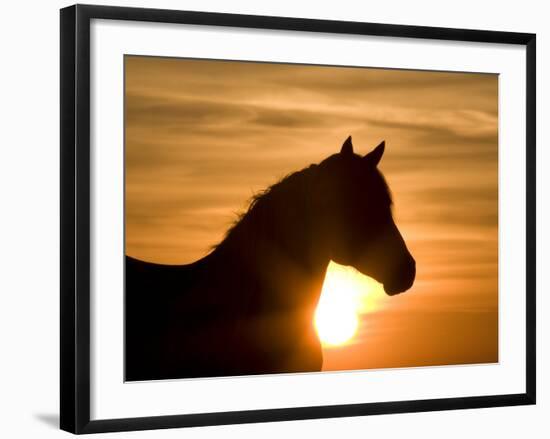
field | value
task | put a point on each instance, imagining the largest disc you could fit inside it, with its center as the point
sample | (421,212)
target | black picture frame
(75,217)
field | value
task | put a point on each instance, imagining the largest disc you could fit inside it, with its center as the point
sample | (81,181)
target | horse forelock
(348,166)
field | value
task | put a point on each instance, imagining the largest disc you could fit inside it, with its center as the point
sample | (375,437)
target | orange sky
(203,136)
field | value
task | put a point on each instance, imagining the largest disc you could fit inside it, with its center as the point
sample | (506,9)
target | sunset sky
(203,136)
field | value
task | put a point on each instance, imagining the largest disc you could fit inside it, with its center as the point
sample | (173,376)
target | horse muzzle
(404,278)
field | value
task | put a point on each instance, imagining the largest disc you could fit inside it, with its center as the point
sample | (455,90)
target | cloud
(201,137)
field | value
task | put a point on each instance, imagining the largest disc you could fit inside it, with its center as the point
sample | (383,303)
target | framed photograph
(268,218)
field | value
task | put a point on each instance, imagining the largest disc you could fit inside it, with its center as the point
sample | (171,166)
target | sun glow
(346,294)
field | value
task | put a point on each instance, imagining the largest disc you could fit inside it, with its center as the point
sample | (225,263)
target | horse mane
(292,183)
(267,202)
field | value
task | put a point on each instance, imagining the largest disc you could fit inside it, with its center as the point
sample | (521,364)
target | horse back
(152,293)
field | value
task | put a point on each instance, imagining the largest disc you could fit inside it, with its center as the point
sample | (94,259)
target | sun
(336,325)
(345,295)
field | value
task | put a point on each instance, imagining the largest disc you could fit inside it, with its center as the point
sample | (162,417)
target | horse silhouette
(247,307)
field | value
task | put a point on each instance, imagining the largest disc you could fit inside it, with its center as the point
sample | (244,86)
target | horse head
(354,218)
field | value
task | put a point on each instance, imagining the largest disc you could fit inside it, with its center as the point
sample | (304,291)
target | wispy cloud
(203,136)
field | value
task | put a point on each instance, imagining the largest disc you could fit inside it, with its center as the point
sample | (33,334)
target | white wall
(29,218)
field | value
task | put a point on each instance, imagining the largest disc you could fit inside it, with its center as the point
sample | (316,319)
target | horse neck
(278,239)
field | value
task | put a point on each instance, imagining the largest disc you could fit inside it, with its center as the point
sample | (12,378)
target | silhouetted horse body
(247,308)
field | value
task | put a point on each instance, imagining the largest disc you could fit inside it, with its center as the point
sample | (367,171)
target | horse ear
(373,157)
(347,147)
